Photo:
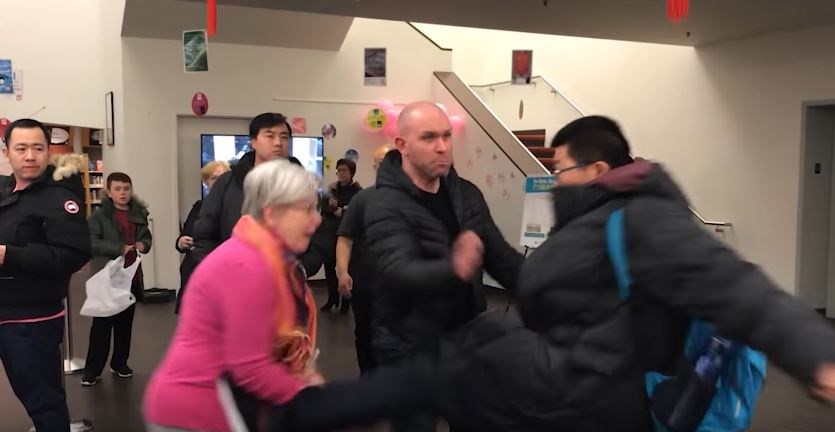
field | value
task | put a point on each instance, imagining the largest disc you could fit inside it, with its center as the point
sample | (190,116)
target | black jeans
(361,303)
(31,355)
(120,326)
(397,390)
(390,355)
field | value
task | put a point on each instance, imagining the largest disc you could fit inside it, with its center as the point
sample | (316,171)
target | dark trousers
(361,304)
(120,326)
(331,279)
(390,354)
(31,355)
(398,390)
(313,259)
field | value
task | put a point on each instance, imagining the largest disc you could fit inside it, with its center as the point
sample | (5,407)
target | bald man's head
(417,112)
(425,141)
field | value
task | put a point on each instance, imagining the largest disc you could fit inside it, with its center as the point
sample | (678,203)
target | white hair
(277,183)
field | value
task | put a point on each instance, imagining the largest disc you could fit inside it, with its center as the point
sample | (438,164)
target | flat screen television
(308,150)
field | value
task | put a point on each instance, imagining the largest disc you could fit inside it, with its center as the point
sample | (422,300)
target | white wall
(725,119)
(57,45)
(243,81)
(543,108)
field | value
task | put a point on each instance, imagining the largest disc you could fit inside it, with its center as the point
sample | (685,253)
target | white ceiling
(710,21)
(167,19)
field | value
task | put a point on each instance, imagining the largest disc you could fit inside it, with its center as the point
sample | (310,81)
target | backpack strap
(616,246)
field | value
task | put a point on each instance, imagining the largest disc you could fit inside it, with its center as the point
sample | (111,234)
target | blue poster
(6,78)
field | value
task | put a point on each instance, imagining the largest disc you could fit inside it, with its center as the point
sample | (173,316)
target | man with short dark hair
(576,360)
(43,241)
(270,136)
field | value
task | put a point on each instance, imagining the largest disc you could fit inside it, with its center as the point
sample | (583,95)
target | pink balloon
(457,122)
(390,129)
(386,104)
(392,113)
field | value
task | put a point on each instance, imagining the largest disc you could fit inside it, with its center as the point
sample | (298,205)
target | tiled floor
(114,404)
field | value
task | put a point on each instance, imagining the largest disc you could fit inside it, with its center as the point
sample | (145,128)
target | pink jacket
(226,326)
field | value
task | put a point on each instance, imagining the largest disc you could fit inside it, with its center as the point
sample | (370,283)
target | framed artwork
(375,66)
(522,68)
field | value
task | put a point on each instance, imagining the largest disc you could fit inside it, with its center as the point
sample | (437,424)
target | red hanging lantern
(678,10)
(211,17)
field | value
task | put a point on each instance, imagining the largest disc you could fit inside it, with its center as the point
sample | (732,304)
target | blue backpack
(735,371)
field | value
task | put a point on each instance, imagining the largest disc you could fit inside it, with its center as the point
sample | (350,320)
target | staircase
(534,140)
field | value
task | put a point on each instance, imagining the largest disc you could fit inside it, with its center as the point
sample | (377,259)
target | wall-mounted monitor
(310,151)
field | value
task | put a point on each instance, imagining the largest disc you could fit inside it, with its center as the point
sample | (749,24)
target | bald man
(430,232)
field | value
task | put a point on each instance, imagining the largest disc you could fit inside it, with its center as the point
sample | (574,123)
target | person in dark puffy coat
(118,228)
(43,241)
(270,136)
(574,356)
(430,233)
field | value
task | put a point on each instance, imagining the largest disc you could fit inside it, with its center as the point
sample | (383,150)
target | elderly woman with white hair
(249,315)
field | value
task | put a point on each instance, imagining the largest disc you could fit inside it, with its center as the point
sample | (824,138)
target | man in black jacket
(430,231)
(270,136)
(355,268)
(576,359)
(43,241)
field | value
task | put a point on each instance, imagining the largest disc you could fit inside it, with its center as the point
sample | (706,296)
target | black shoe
(122,372)
(89,381)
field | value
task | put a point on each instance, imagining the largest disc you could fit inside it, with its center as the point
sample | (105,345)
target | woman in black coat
(185,242)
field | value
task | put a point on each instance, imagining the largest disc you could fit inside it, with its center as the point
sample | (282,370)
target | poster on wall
(537,211)
(375,66)
(522,68)
(298,125)
(195,51)
(6,77)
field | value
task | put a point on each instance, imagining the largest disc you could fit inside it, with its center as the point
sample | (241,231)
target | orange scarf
(295,345)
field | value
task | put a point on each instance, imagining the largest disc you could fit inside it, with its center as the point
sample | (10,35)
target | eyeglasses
(557,172)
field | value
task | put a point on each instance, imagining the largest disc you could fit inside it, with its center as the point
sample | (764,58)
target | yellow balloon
(376,119)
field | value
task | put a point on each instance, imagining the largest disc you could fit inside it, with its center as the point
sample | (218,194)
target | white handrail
(708,222)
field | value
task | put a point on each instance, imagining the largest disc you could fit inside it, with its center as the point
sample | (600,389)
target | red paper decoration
(678,10)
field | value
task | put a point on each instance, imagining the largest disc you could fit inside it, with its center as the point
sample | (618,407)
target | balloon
(386,104)
(457,122)
(375,120)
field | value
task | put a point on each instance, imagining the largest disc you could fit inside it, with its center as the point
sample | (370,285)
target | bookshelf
(85,141)
(95,188)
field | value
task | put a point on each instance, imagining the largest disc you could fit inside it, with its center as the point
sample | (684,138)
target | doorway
(816,221)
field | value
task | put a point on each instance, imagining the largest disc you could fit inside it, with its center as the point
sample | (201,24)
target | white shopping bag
(108,291)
